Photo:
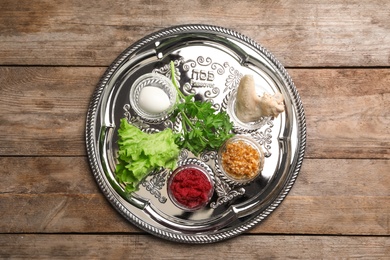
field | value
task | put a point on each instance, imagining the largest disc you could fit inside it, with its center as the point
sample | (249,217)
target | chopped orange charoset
(240,160)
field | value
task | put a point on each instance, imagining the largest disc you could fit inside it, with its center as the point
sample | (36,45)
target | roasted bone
(250,107)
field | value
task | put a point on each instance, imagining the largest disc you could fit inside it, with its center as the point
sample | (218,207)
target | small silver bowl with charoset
(240,160)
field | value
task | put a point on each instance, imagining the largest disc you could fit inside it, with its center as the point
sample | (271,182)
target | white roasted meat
(250,107)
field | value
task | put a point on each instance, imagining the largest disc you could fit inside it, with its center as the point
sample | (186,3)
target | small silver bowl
(152,80)
(243,159)
(179,202)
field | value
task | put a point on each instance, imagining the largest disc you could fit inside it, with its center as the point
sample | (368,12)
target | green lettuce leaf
(140,153)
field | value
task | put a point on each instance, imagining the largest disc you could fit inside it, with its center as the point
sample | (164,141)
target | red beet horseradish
(190,187)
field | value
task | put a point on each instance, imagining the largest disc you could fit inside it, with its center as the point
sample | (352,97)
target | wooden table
(52,55)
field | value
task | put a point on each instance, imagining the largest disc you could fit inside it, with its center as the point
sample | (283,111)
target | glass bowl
(240,160)
(190,187)
(238,125)
(161,83)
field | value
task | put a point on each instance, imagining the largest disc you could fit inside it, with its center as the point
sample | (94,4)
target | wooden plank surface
(147,247)
(52,55)
(59,194)
(44,110)
(93,33)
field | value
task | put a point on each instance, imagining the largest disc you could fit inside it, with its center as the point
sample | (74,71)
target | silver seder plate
(209,62)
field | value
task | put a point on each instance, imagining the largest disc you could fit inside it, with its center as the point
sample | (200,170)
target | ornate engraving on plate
(225,193)
(202,73)
(135,120)
(183,155)
(208,155)
(166,70)
(141,124)
(264,138)
(156,183)
(233,79)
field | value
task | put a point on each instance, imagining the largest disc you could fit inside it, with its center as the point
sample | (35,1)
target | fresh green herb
(141,153)
(203,128)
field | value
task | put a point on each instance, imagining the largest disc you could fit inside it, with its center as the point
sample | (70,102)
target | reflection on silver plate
(209,62)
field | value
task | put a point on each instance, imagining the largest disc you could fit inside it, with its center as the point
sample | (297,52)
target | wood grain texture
(57,194)
(346,111)
(148,247)
(91,213)
(52,55)
(43,110)
(93,33)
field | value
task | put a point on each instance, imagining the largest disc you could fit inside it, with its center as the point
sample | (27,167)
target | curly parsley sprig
(203,128)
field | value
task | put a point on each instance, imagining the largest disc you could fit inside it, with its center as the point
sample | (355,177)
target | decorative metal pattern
(156,183)
(225,193)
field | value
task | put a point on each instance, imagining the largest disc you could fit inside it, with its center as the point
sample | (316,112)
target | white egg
(153,99)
